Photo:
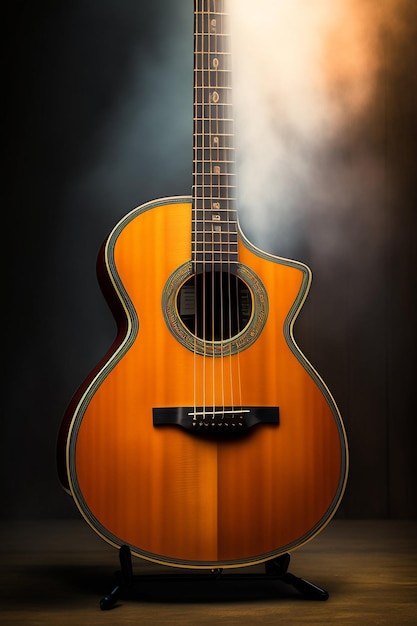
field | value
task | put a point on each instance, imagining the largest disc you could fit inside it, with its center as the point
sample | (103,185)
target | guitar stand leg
(125,580)
(275,569)
(278,568)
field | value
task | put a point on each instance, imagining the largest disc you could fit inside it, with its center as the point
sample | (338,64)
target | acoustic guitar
(204,438)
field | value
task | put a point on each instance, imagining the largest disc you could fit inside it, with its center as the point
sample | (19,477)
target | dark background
(98,120)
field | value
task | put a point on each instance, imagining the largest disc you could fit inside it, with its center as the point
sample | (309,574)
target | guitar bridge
(216,422)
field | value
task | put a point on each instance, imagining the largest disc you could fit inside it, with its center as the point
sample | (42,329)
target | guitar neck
(214,228)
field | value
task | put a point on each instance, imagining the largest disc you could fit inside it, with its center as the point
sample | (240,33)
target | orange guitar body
(171,496)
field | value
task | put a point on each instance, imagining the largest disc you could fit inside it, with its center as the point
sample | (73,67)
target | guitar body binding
(137,472)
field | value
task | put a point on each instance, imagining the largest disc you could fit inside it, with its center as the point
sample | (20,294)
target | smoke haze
(306,76)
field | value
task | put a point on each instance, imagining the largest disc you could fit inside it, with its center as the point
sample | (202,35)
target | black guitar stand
(276,569)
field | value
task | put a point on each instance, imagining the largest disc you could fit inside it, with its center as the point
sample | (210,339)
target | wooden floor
(56,572)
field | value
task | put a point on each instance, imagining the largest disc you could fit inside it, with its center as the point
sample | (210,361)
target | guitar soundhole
(214,306)
(215,313)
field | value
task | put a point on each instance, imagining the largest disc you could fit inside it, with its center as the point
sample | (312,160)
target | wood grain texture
(175,498)
(56,572)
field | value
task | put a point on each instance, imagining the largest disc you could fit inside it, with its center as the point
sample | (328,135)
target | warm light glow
(304,74)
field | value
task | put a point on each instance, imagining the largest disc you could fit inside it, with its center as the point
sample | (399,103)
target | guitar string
(229,200)
(234,204)
(204,225)
(215,191)
(232,217)
(224,167)
(199,131)
(195,198)
(224,170)
(214,178)
(204,211)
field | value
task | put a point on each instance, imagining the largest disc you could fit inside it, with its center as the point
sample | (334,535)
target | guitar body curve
(172,497)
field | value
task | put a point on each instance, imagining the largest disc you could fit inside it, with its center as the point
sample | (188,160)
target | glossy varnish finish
(172,497)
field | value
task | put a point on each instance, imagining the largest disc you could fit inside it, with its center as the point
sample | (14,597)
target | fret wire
(208,221)
(205,163)
(208,53)
(218,261)
(215,236)
(215,198)
(209,118)
(222,244)
(231,225)
(231,222)
(200,220)
(203,187)
(231,231)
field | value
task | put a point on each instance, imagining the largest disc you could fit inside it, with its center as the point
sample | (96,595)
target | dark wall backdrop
(98,120)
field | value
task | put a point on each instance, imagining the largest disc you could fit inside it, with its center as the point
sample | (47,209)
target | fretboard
(214,224)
